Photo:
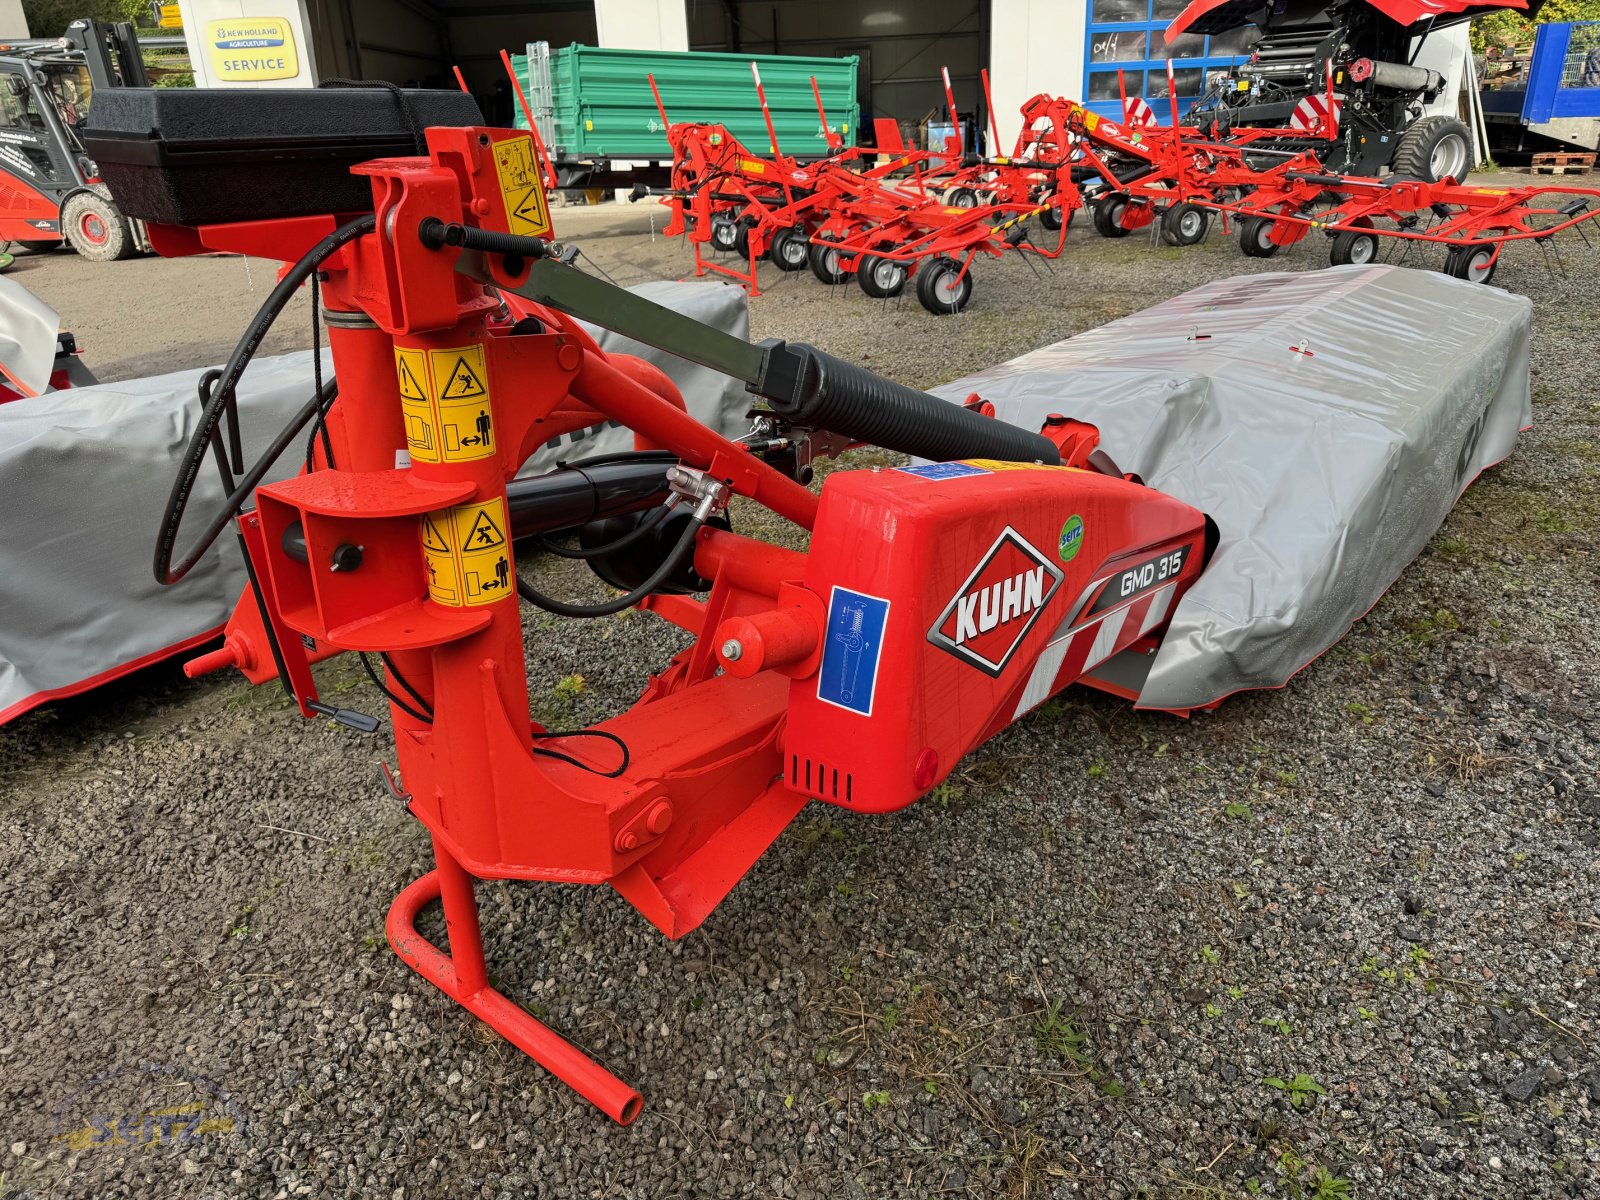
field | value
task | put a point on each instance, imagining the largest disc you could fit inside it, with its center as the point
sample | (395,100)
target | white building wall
(13,24)
(642,24)
(1034,46)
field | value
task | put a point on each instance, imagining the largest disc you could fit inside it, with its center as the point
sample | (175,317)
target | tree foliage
(1511,28)
(50,18)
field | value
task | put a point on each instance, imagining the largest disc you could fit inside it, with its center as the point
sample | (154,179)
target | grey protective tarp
(84,474)
(27,338)
(1326,472)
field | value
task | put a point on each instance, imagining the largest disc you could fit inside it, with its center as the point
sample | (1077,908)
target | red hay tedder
(848,220)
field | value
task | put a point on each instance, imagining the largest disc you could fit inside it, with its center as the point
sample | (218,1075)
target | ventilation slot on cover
(820,780)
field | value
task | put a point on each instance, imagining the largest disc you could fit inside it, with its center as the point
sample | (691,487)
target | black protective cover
(206,156)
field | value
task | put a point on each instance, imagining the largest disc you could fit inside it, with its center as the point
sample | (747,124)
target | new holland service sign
(251,50)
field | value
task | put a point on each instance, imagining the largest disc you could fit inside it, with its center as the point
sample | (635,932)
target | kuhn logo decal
(997,605)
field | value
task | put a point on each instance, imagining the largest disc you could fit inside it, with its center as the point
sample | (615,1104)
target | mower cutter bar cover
(1327,422)
(1223,16)
(209,156)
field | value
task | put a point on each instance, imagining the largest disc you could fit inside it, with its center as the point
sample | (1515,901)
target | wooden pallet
(1563,162)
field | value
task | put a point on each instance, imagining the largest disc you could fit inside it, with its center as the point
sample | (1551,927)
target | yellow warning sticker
(467,555)
(444,395)
(411,370)
(527,214)
(752,167)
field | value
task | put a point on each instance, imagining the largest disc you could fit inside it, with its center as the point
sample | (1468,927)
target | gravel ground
(1336,940)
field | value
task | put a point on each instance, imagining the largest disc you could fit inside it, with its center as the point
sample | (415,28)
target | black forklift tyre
(1185,224)
(1433,148)
(789,250)
(881,278)
(938,288)
(1108,212)
(40,247)
(1255,237)
(95,228)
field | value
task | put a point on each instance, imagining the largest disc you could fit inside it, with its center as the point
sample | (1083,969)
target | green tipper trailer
(594,108)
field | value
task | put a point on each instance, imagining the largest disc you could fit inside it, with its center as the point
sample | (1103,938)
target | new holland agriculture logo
(994,609)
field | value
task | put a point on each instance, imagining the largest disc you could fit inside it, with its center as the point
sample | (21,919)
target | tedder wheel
(941,287)
(1353,247)
(95,228)
(1432,149)
(1050,218)
(789,249)
(1184,224)
(1475,264)
(961,198)
(825,264)
(881,278)
(1255,237)
(1108,212)
(724,235)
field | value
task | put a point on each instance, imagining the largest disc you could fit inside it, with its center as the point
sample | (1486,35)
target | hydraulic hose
(809,388)
(221,398)
(627,600)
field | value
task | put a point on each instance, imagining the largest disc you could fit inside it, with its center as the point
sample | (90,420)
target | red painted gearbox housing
(958,603)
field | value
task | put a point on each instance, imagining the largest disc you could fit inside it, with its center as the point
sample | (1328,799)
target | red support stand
(462,976)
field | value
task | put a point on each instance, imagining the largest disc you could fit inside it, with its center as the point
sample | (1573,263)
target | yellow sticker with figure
(527,214)
(467,554)
(444,395)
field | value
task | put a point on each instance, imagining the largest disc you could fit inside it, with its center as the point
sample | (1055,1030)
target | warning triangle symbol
(431,538)
(463,382)
(409,387)
(484,534)
(531,208)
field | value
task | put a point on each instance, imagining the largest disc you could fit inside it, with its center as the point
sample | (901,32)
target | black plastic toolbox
(207,156)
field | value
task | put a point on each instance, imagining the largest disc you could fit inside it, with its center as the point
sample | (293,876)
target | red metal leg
(461,975)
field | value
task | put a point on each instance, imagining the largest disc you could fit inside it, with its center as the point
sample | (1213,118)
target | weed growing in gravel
(1323,1184)
(1299,1089)
(1057,1034)
(1277,1024)
(1433,627)
(1239,811)
(1357,709)
(872,1100)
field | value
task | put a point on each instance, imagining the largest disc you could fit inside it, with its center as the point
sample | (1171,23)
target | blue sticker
(949,470)
(849,673)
